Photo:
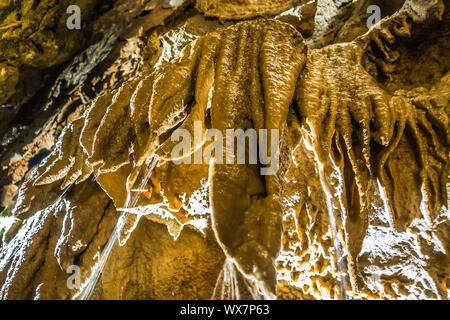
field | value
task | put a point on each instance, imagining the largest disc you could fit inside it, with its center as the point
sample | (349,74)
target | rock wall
(357,210)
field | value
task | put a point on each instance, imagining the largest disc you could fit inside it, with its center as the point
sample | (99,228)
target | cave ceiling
(355,121)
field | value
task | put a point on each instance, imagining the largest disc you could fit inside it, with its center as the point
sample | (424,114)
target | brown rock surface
(244,9)
(358,209)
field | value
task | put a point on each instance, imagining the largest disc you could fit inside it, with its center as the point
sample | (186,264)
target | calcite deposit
(358,208)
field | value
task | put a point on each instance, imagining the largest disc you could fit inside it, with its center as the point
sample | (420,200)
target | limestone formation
(34,36)
(358,208)
(238,10)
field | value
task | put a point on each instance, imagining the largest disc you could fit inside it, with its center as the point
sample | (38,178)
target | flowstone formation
(357,209)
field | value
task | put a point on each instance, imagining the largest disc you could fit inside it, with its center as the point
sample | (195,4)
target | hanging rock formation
(364,158)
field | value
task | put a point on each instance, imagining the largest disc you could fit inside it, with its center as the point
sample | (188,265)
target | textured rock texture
(238,10)
(357,210)
(34,37)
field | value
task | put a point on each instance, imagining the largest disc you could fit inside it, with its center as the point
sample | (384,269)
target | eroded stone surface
(352,117)
(238,10)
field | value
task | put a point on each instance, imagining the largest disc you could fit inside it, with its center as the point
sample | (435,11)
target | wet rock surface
(358,209)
